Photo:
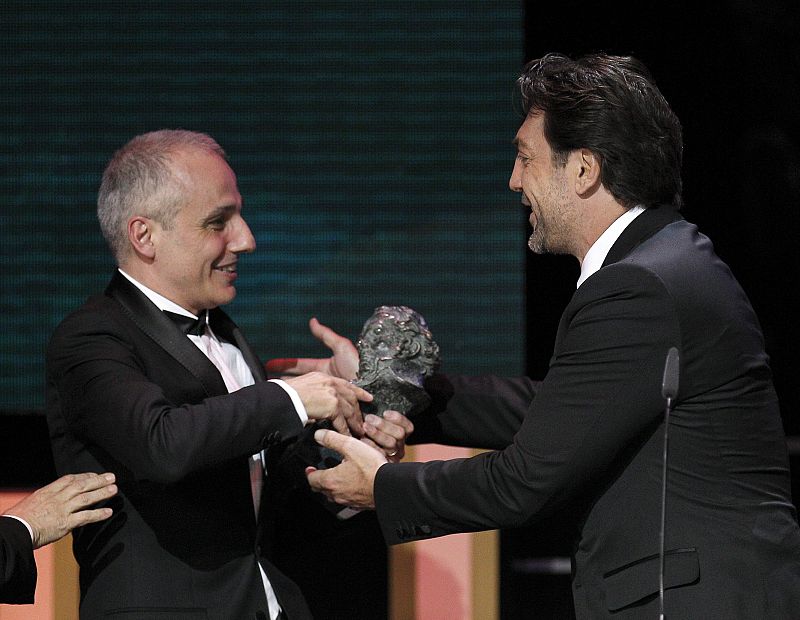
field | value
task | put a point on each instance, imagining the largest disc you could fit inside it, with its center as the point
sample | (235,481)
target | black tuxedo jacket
(590,443)
(17,566)
(129,393)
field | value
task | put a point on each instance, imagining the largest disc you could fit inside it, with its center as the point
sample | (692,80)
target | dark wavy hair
(611,106)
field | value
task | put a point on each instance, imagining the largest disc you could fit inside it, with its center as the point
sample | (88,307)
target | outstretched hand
(56,509)
(350,483)
(343,363)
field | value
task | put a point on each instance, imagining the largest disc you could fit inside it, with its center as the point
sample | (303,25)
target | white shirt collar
(597,253)
(161,302)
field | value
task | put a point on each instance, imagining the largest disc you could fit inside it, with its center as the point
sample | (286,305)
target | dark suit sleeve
(476,412)
(602,392)
(143,408)
(17,566)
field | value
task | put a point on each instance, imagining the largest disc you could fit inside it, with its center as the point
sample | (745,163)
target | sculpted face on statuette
(396,354)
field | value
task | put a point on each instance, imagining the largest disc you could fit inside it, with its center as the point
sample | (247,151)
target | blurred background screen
(372,142)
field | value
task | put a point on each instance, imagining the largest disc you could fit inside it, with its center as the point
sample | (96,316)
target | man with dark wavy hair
(598,164)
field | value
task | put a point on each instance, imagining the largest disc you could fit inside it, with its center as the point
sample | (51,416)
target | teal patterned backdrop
(372,142)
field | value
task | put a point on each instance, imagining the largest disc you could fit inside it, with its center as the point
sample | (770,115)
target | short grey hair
(139,180)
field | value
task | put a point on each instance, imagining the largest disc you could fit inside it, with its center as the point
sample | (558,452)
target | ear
(587,178)
(140,235)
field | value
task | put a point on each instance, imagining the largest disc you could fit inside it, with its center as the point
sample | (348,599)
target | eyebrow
(223,211)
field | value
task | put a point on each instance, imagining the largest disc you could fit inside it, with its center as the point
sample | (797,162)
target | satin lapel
(229,331)
(226,329)
(155,324)
(642,228)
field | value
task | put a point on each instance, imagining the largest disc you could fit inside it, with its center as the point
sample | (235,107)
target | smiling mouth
(226,268)
(533,220)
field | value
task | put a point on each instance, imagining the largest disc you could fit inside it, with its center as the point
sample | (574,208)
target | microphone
(669,390)
(669,385)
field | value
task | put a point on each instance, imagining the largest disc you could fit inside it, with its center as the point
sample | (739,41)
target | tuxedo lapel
(155,324)
(642,228)
(225,328)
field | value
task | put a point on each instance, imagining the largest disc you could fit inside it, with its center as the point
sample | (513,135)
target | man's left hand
(350,483)
(343,363)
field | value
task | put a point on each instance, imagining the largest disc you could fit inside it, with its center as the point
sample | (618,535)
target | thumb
(324,334)
(331,439)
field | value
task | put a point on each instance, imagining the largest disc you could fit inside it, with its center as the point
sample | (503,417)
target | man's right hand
(343,363)
(330,398)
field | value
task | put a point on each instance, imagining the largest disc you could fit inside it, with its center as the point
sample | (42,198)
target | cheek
(213,249)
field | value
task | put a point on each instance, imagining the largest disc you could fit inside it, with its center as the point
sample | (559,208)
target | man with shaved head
(154,382)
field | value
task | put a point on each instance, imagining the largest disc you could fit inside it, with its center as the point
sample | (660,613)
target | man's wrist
(298,404)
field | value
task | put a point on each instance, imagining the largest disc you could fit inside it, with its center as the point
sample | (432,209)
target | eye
(216,224)
(523,159)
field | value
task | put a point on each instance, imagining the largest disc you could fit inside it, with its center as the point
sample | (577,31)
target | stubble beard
(536,241)
(552,235)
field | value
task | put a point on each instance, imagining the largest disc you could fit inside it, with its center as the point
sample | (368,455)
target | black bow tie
(188,325)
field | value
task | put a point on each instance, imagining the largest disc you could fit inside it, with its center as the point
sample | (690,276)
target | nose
(515,182)
(242,240)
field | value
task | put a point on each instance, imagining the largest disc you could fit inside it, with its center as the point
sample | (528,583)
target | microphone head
(669,386)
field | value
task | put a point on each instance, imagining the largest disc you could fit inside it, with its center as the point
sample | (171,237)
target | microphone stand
(669,390)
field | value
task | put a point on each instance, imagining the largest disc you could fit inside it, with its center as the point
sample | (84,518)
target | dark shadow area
(26,461)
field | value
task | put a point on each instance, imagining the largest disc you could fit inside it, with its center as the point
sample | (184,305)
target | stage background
(371,141)
(372,144)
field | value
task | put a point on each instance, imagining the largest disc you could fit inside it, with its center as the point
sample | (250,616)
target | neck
(600,216)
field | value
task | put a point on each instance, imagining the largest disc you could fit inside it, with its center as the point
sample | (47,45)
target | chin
(222,298)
